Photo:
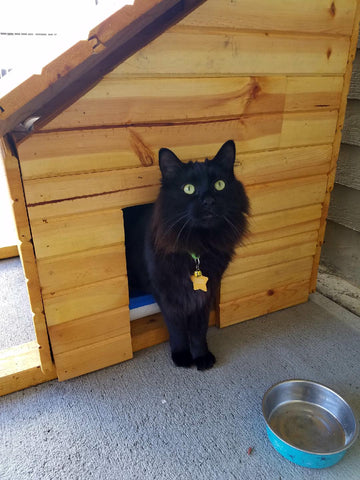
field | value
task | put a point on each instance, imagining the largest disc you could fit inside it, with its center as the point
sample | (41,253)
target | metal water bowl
(308,423)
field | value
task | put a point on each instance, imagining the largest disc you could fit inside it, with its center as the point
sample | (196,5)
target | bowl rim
(296,380)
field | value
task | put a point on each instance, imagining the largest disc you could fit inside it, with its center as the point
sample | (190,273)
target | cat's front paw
(205,362)
(182,359)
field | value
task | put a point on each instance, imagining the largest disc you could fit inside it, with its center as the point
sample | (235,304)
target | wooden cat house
(80,143)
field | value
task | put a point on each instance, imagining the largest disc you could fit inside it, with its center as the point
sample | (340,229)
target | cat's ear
(169,164)
(226,155)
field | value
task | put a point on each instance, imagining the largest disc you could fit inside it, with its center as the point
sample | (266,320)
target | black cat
(179,248)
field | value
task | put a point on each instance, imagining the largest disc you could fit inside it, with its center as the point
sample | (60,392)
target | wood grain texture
(251,168)
(9,252)
(264,302)
(125,198)
(317,17)
(277,195)
(279,164)
(77,233)
(151,330)
(267,226)
(190,51)
(81,332)
(19,357)
(252,256)
(47,190)
(285,194)
(148,331)
(86,300)
(29,264)
(268,278)
(124,101)
(81,268)
(310,126)
(20,367)
(93,357)
(12,170)
(311,93)
(85,151)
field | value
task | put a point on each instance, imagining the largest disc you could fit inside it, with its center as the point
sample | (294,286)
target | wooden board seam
(247,241)
(66,291)
(68,256)
(92,195)
(238,162)
(100,337)
(315,178)
(184,122)
(89,213)
(281,228)
(229,302)
(268,266)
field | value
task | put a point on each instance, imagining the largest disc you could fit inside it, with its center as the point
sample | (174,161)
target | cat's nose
(208,201)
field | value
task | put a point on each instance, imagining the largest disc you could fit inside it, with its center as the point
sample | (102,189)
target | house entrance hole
(141,301)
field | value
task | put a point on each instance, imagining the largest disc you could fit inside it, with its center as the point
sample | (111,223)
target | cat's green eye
(219,185)
(189,188)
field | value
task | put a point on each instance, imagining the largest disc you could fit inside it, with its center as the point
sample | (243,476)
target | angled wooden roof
(78,69)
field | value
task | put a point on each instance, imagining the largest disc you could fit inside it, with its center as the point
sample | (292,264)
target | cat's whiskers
(182,228)
(175,223)
(235,229)
(187,238)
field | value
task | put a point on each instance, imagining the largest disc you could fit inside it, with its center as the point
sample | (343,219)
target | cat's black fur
(208,223)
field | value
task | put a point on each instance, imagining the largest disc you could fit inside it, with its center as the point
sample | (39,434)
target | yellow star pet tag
(199,281)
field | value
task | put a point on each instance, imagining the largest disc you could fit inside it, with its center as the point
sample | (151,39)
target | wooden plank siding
(273,83)
(127,101)
(210,51)
(252,168)
(82,151)
(82,271)
(320,17)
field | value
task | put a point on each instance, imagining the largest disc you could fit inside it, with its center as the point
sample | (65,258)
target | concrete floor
(145,419)
(16,323)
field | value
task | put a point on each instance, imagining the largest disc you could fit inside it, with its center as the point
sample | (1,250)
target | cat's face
(202,195)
